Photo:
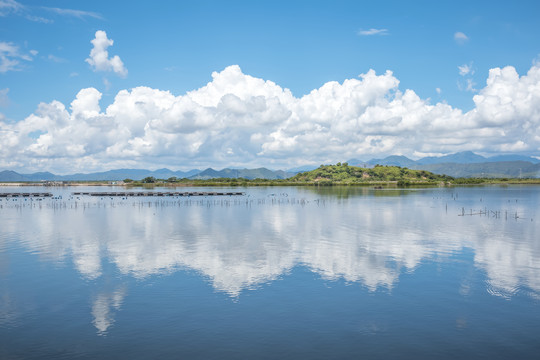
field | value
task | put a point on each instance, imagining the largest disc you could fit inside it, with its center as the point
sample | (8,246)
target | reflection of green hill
(345,192)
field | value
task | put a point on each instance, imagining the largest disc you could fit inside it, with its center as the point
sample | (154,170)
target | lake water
(281,273)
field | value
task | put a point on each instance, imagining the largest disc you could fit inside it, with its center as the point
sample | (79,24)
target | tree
(149,180)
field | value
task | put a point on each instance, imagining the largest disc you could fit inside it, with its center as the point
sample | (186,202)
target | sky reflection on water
(361,237)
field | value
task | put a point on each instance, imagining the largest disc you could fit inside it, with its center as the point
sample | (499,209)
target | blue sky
(441,51)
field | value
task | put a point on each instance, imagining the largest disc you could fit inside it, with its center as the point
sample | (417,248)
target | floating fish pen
(152,193)
(25,195)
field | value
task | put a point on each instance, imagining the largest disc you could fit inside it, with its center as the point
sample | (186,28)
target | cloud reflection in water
(367,240)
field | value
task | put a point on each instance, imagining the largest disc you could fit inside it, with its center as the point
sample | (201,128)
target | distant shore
(75,183)
(258,183)
(340,174)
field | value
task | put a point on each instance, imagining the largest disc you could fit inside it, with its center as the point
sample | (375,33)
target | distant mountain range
(509,169)
(120,174)
(462,164)
(465,157)
(139,174)
(260,173)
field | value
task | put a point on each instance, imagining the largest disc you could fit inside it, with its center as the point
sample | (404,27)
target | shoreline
(277,183)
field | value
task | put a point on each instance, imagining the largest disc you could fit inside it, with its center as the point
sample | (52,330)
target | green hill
(345,174)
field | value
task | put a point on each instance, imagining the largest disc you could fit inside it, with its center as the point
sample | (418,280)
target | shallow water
(282,272)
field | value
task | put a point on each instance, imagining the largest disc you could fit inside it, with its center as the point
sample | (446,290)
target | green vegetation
(325,175)
(328,175)
(148,180)
(494,181)
(343,174)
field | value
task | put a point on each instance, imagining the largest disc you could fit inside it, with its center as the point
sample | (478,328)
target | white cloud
(11,56)
(38,19)
(99,56)
(107,84)
(438,90)
(460,38)
(240,120)
(509,98)
(466,69)
(81,14)
(373,32)
(9,6)
(56,59)
(467,84)
(471,86)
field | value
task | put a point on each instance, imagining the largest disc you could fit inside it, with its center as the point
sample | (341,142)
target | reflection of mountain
(365,239)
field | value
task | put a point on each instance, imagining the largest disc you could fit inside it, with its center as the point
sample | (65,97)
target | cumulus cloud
(373,32)
(99,56)
(240,120)
(460,38)
(510,98)
(11,56)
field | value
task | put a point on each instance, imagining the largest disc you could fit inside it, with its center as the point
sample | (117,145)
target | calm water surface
(278,273)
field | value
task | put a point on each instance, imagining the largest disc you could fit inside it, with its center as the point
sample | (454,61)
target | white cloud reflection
(369,242)
(103,308)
